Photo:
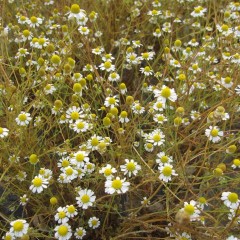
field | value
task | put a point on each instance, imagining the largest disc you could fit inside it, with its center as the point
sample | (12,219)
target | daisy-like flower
(34,21)
(63,163)
(98,50)
(107,57)
(156,137)
(8,236)
(3,132)
(145,202)
(166,172)
(19,227)
(107,66)
(236,163)
(93,142)
(137,108)
(147,71)
(81,126)
(114,77)
(165,93)
(148,147)
(76,13)
(130,167)
(157,33)
(93,222)
(74,113)
(227,82)
(111,101)
(230,199)
(123,117)
(116,185)
(23,200)
(159,118)
(132,58)
(84,30)
(80,158)
(80,232)
(159,106)
(86,198)
(69,174)
(214,134)
(49,89)
(71,211)
(162,158)
(63,231)
(108,171)
(38,184)
(198,11)
(192,209)
(61,215)
(23,119)
(147,56)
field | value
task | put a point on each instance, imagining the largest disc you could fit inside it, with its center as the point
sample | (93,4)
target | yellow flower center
(189,209)
(37,182)
(33,19)
(107,65)
(131,166)
(85,198)
(233,197)
(69,171)
(164,159)
(94,142)
(80,157)
(71,209)
(145,55)
(1,130)
(80,232)
(167,171)
(62,230)
(80,125)
(124,114)
(156,138)
(227,80)
(166,92)
(111,101)
(65,163)
(74,115)
(236,162)
(75,8)
(22,117)
(147,69)
(61,215)
(77,87)
(214,133)
(117,184)
(224,27)
(18,226)
(107,171)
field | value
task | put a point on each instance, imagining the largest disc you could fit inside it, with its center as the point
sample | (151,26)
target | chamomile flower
(19,227)
(214,134)
(230,199)
(93,222)
(81,126)
(111,101)
(86,198)
(145,202)
(84,30)
(76,13)
(137,108)
(157,33)
(63,231)
(8,236)
(192,209)
(98,50)
(147,71)
(236,163)
(116,185)
(123,117)
(198,11)
(3,132)
(35,21)
(93,142)
(159,118)
(80,158)
(108,171)
(49,89)
(165,93)
(130,167)
(162,158)
(71,211)
(38,184)
(23,119)
(114,77)
(69,174)
(107,66)
(227,82)
(80,232)
(166,172)
(61,215)
(156,137)
(23,200)
(74,113)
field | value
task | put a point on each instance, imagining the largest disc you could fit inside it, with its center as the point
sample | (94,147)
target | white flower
(49,89)
(198,11)
(19,227)
(214,134)
(108,66)
(86,198)
(145,202)
(137,108)
(84,30)
(165,93)
(3,132)
(156,137)
(38,184)
(116,185)
(130,168)
(166,172)
(111,101)
(61,215)
(76,13)
(192,209)
(24,200)
(69,173)
(147,71)
(93,222)
(71,211)
(123,118)
(162,158)
(114,77)
(80,158)
(63,232)
(108,170)
(23,119)
(80,232)
(230,199)
(159,118)
(236,163)
(74,113)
